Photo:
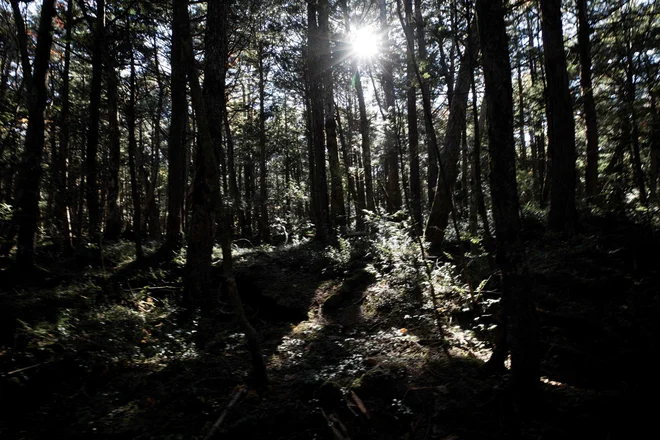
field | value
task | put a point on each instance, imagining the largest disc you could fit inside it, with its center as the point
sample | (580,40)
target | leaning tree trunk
(520,313)
(442,203)
(561,127)
(29,176)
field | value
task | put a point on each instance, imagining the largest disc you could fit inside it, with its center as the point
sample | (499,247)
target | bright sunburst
(365,42)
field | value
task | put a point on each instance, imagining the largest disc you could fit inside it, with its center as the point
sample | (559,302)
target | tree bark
(442,203)
(264,223)
(561,127)
(394,198)
(431,138)
(520,313)
(584,46)
(132,152)
(413,131)
(337,209)
(92,185)
(113,221)
(29,174)
(62,197)
(320,184)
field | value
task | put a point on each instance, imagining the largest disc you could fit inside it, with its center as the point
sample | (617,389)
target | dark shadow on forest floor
(346,342)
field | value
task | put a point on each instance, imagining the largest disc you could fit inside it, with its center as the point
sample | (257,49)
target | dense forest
(329,219)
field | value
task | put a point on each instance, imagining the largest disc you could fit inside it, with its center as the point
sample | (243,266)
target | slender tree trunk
(366,142)
(91,167)
(394,200)
(521,117)
(264,223)
(584,33)
(561,127)
(413,131)
(431,139)
(132,153)
(176,164)
(442,204)
(337,209)
(62,197)
(477,191)
(520,313)
(113,221)
(655,148)
(348,165)
(29,174)
(320,188)
(634,129)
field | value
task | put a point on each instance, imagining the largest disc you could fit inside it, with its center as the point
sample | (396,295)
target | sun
(365,42)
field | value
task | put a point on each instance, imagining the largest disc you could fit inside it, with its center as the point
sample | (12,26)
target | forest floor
(350,340)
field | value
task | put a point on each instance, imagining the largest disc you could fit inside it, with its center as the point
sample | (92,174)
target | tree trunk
(320,184)
(207,184)
(584,33)
(206,191)
(394,200)
(176,164)
(431,138)
(132,152)
(113,221)
(518,301)
(337,209)
(29,174)
(413,131)
(561,127)
(634,128)
(62,197)
(264,223)
(442,203)
(92,188)
(366,142)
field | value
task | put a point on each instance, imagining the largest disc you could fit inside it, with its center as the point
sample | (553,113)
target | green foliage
(6,212)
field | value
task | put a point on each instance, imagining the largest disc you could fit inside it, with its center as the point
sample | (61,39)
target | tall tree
(391,154)
(113,220)
(132,153)
(518,302)
(264,223)
(29,176)
(207,185)
(337,209)
(561,127)
(584,32)
(319,181)
(176,140)
(91,166)
(62,196)
(442,202)
(413,131)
